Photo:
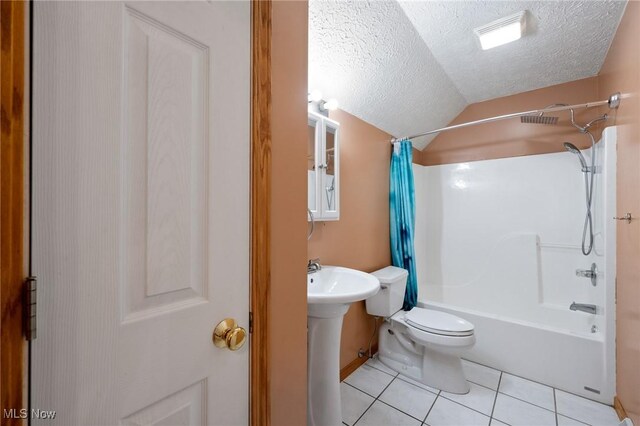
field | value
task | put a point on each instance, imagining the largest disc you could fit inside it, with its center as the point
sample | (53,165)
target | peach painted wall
(510,138)
(288,214)
(360,239)
(621,72)
(418,156)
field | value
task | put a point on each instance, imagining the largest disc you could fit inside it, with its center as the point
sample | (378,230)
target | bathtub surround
(402,212)
(621,70)
(498,244)
(360,239)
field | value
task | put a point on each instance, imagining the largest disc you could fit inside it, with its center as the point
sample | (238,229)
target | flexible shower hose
(588,184)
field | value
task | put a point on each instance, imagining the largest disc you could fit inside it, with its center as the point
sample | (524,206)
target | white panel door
(141,210)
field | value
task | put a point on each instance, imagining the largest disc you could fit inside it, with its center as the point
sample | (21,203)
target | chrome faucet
(590,309)
(592,274)
(313,266)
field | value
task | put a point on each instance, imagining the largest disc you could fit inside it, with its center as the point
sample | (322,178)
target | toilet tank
(389,299)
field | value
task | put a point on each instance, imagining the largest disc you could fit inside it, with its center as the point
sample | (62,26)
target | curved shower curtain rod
(613,102)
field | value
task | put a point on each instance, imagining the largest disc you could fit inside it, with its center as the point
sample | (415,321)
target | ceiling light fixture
(314,96)
(502,31)
(330,105)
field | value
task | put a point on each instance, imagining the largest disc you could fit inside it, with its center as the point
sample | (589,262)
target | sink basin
(330,292)
(334,284)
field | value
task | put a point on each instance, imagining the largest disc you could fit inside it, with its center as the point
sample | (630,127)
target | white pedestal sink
(330,292)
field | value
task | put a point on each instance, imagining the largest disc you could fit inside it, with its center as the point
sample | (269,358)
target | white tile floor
(375,395)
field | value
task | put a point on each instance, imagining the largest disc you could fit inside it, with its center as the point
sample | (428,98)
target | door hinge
(30,305)
(250,322)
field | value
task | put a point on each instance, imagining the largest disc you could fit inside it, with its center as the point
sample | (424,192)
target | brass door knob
(228,334)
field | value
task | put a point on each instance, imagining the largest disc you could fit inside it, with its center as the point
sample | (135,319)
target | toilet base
(444,371)
(435,366)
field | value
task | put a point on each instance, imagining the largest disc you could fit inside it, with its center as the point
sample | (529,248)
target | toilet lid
(438,322)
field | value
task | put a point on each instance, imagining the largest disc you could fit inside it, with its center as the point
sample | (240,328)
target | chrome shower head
(539,119)
(574,150)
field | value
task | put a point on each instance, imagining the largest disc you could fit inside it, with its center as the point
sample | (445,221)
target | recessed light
(502,31)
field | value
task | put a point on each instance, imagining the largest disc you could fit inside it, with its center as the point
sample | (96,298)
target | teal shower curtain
(402,212)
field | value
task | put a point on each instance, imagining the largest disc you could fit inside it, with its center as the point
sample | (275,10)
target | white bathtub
(565,360)
(498,243)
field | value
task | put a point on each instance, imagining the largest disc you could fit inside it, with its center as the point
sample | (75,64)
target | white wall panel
(503,237)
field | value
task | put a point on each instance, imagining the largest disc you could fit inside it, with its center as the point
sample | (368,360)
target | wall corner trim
(260,386)
(353,365)
(14,148)
(617,405)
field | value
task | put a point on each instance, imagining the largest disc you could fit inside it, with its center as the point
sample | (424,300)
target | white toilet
(423,344)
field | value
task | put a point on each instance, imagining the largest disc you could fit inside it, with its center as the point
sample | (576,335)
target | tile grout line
(397,376)
(396,408)
(525,401)
(484,386)
(528,402)
(524,378)
(462,405)
(530,380)
(374,401)
(363,413)
(574,419)
(403,412)
(418,386)
(512,396)
(496,398)
(387,404)
(440,394)
(358,389)
(534,381)
(584,397)
(578,396)
(430,408)
(555,405)
(379,369)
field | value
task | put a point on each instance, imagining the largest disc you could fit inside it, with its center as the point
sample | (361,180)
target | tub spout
(590,309)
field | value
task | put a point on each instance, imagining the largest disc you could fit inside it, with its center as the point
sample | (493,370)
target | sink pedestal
(330,292)
(323,368)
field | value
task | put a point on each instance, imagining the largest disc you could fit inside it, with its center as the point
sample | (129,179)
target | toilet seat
(437,322)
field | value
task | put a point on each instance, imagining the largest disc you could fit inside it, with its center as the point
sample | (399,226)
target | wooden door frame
(260,390)
(14,143)
(12,163)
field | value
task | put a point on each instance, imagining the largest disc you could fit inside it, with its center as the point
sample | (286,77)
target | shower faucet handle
(626,217)
(589,273)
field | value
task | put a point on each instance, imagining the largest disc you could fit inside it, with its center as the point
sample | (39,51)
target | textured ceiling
(409,67)
(369,56)
(565,41)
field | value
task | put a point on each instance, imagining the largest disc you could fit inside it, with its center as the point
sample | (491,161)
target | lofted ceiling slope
(412,66)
